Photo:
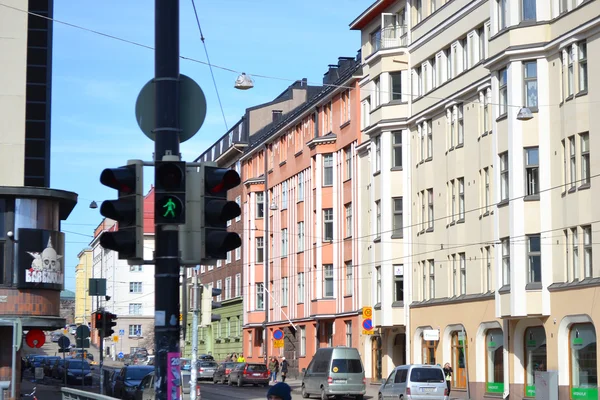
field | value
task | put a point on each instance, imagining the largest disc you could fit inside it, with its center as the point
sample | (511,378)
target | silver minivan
(418,382)
(334,371)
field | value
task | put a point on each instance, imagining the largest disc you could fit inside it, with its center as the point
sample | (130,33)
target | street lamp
(273,206)
(524,114)
(93,205)
(243,82)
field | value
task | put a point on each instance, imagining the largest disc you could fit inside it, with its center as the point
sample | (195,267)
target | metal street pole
(101,362)
(166,143)
(196,311)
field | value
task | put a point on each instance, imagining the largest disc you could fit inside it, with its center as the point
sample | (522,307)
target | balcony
(387,38)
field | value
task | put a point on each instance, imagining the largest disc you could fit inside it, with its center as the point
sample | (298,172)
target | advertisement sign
(173,376)
(39,259)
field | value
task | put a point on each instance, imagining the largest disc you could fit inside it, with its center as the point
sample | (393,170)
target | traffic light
(169,201)
(109,324)
(216,211)
(128,210)
(208,305)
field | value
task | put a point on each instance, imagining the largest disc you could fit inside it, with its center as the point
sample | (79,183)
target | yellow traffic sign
(278,343)
(115,338)
(367,312)
(366,332)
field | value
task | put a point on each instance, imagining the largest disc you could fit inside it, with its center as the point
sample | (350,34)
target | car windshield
(137,374)
(426,375)
(78,365)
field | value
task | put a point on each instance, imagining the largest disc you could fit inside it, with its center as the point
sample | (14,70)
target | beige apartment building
(498,223)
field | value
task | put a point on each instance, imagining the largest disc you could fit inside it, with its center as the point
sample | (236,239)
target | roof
(67,295)
(370,13)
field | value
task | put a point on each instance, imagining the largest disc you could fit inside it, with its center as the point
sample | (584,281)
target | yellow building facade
(83,272)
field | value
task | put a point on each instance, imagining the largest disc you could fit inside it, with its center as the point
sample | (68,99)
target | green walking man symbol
(170,206)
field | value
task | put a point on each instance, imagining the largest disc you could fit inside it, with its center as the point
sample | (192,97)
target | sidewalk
(42,391)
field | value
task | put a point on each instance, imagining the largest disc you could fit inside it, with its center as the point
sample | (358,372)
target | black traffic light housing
(216,211)
(109,323)
(127,210)
(169,200)
(208,305)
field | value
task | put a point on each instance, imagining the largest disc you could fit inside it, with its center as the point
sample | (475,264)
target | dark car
(249,373)
(206,369)
(129,379)
(222,373)
(54,336)
(78,371)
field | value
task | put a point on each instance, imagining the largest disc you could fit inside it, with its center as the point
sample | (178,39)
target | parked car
(78,371)
(334,371)
(223,371)
(129,379)
(109,384)
(145,390)
(249,373)
(206,369)
(54,336)
(422,381)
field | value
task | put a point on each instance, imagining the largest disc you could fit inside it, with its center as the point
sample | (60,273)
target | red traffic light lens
(123,179)
(229,179)
(169,176)
(98,317)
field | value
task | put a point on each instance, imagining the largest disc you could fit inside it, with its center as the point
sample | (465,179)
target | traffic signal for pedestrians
(169,201)
(208,305)
(216,210)
(128,211)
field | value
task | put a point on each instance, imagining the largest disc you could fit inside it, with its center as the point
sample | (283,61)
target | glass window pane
(583,360)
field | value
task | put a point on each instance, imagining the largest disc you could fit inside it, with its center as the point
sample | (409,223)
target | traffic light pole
(166,85)
(101,349)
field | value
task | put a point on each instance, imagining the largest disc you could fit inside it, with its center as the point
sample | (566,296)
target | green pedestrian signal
(170,207)
(170,199)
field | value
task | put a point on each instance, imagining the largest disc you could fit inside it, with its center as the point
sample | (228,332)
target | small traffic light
(169,201)
(208,305)
(110,323)
(128,210)
(216,211)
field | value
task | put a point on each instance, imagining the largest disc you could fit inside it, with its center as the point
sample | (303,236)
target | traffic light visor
(118,241)
(169,175)
(219,180)
(123,179)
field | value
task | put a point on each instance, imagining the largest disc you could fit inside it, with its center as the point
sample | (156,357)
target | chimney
(345,63)
(304,82)
(331,75)
(277,114)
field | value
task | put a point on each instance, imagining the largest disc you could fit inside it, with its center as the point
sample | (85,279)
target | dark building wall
(67,310)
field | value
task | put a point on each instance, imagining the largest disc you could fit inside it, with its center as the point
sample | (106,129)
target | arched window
(428,348)
(494,347)
(459,363)
(584,373)
(535,356)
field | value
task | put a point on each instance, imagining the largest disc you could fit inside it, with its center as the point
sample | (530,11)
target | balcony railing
(388,38)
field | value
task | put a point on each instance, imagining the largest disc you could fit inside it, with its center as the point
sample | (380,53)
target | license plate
(339,381)
(427,390)
(256,374)
(209,370)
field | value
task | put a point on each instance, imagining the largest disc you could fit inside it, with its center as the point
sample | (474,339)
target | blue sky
(97,79)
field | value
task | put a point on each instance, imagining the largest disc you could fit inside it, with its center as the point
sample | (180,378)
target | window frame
(260,250)
(588,271)
(582,61)
(584,149)
(327,170)
(397,149)
(328,224)
(503,89)
(348,219)
(260,205)
(328,279)
(430,209)
(533,105)
(531,256)
(505,249)
(504,177)
(398,213)
(532,173)
(494,387)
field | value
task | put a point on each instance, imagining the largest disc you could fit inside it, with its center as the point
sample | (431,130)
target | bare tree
(148,340)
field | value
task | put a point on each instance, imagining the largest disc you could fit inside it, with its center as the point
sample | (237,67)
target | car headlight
(70,373)
(89,375)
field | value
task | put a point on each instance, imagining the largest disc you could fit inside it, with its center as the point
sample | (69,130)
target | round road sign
(63,342)
(278,334)
(120,355)
(367,324)
(35,338)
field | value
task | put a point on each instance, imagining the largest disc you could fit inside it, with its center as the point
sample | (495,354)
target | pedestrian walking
(284,369)
(273,369)
(280,391)
(448,374)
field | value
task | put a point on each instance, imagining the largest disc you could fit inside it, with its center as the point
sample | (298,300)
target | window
(583,72)
(219,287)
(135,287)
(301,287)
(488,269)
(399,283)
(530,84)
(284,242)
(284,291)
(348,333)
(135,330)
(260,249)
(238,253)
(349,278)
(135,309)
(228,260)
(502,13)
(454,276)
(587,251)
(284,195)
(135,268)
(528,10)
(450,116)
(429,140)
(365,111)
(398,223)
(575,244)
(260,296)
(348,208)
(534,256)
(428,349)
(461,199)
(328,224)
(585,158)
(328,280)
(378,285)
(300,236)
(430,208)
(397,149)
(424,273)
(378,219)
(463,273)
(431,279)
(532,171)
(535,356)
(494,341)
(453,199)
(348,162)
(327,169)
(506,261)
(487,121)
(301,186)
(584,372)
(570,72)
(419,7)
(458,362)
(423,220)
(377,154)
(486,188)
(377,84)
(227,288)
(461,128)
(260,204)
(573,161)
(396,85)
(503,90)
(504,182)
(302,341)
(238,285)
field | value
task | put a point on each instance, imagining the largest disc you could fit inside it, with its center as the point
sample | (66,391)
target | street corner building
(32,265)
